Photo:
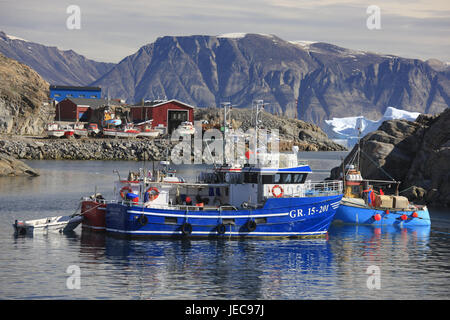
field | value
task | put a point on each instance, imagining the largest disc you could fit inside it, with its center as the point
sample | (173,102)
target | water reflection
(247,269)
(414,261)
(394,250)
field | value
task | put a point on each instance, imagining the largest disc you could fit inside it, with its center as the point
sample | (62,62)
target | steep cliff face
(22,94)
(206,70)
(416,153)
(54,65)
(309,81)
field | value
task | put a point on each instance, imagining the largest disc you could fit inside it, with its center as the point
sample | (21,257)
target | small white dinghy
(51,224)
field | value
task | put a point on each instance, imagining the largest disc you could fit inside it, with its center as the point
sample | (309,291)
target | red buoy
(377,217)
(415,214)
(387,211)
(404,217)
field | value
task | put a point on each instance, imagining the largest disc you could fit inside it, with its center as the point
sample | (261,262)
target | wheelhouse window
(284,178)
(250,177)
(267,179)
(299,177)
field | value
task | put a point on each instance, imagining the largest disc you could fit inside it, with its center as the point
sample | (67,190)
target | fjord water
(413,262)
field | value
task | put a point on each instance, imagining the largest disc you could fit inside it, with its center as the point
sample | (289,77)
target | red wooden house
(167,113)
(78,109)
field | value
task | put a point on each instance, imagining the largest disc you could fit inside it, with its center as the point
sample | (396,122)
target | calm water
(414,263)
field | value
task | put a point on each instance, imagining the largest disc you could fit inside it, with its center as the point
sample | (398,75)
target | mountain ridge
(62,67)
(312,81)
(308,80)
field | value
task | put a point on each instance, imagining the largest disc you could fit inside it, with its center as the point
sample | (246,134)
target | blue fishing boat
(365,203)
(227,202)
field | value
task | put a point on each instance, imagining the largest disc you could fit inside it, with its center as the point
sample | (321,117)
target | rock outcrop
(22,96)
(11,167)
(415,153)
(307,136)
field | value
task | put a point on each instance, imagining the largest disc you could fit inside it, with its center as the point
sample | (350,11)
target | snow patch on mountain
(239,35)
(15,38)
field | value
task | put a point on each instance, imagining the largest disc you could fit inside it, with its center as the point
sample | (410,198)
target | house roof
(160,103)
(55,87)
(92,103)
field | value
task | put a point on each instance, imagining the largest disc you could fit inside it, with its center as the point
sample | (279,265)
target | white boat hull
(149,134)
(52,224)
(55,133)
(80,132)
(120,134)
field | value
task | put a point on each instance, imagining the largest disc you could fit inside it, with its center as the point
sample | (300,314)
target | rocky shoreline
(35,148)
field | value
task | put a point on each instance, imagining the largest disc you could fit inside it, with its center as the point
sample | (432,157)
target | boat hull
(148,134)
(294,218)
(93,213)
(348,213)
(80,132)
(54,224)
(55,133)
(120,134)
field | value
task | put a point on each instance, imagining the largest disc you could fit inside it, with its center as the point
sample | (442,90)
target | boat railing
(327,188)
(179,207)
(315,189)
(98,200)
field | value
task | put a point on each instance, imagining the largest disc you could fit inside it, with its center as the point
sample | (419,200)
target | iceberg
(345,130)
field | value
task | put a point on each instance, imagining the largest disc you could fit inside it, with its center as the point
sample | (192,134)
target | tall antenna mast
(257,106)
(226,114)
(359,148)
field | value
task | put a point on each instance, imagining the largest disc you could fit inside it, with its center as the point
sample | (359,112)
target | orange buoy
(415,214)
(404,217)
(387,211)
(377,217)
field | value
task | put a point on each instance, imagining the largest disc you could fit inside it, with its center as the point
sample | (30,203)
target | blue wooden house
(59,93)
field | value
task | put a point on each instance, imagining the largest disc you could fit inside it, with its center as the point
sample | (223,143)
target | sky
(110,30)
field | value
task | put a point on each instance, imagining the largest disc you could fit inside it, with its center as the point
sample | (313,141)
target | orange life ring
(152,195)
(122,194)
(281,191)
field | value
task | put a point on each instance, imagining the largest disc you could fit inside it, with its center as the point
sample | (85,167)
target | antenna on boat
(359,149)
(226,114)
(257,107)
(117,171)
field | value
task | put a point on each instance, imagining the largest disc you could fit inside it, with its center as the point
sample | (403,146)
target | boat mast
(226,114)
(258,106)
(358,156)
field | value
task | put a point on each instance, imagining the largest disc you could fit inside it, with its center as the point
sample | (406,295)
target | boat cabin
(224,187)
(353,183)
